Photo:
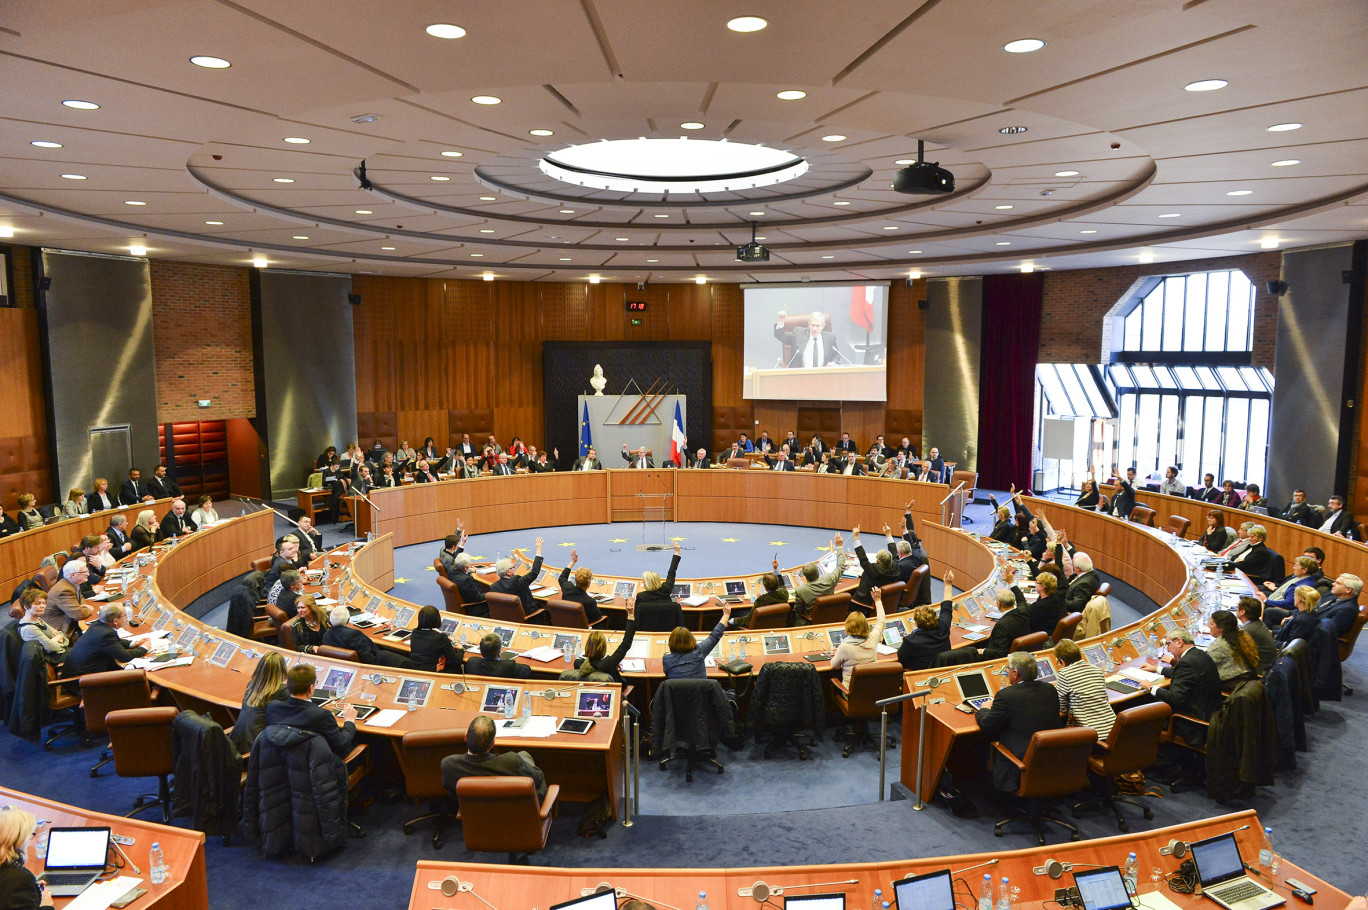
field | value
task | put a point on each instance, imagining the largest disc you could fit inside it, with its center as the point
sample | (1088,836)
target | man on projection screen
(809,347)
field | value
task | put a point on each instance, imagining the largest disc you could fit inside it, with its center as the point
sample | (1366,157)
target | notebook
(1221,871)
(75,858)
(932,891)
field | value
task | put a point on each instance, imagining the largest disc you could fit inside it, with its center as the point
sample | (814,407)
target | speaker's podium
(841,383)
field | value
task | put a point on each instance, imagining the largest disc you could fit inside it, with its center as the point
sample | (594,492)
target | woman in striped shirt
(1082,690)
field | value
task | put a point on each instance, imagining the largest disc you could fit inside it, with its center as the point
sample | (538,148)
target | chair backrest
(285,635)
(46,577)
(870,683)
(314,480)
(505,607)
(770,616)
(1178,525)
(1065,627)
(914,586)
(420,759)
(1056,762)
(61,558)
(969,479)
(831,608)
(743,463)
(279,618)
(262,564)
(441,569)
(1346,644)
(1134,739)
(1103,589)
(117,690)
(1362,528)
(142,741)
(567,614)
(500,814)
(451,595)
(892,594)
(336,653)
(1142,515)
(1032,641)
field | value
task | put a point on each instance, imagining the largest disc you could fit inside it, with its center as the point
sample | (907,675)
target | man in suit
(816,585)
(1342,606)
(493,444)
(1299,511)
(1014,623)
(479,761)
(1194,690)
(120,545)
(66,606)
(471,592)
(466,449)
(93,546)
(1249,612)
(176,523)
(734,452)
(341,634)
(931,635)
(850,467)
(133,491)
(913,557)
(637,459)
(589,462)
(791,440)
(518,585)
(781,461)
(879,451)
(1019,711)
(100,649)
(1083,585)
(1207,492)
(299,711)
(362,483)
(808,347)
(1337,520)
(291,587)
(501,467)
(906,449)
(452,546)
(846,444)
(489,663)
(1124,500)
(764,445)
(162,486)
(700,459)
(935,471)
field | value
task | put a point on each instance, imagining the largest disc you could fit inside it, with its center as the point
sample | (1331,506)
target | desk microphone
(552,694)
(762,892)
(451,886)
(991,862)
(459,687)
(1055,869)
(602,887)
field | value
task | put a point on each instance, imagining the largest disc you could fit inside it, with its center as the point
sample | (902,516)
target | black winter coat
(296,794)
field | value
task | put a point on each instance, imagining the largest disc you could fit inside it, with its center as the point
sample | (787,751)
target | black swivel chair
(787,699)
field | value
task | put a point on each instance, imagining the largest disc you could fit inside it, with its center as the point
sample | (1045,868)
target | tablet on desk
(932,891)
(398,635)
(1097,655)
(682,589)
(505,634)
(578,726)
(339,680)
(594,704)
(974,688)
(449,626)
(735,588)
(624,589)
(404,617)
(776,644)
(494,698)
(1044,670)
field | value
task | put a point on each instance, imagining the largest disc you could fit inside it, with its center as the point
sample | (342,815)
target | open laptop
(599,900)
(932,891)
(974,688)
(75,859)
(1221,871)
(1102,889)
(815,902)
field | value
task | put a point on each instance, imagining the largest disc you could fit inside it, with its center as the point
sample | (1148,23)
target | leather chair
(1142,515)
(739,463)
(920,576)
(420,760)
(278,617)
(441,569)
(1103,589)
(831,608)
(285,636)
(869,683)
(1346,644)
(1362,528)
(336,653)
(689,717)
(1066,626)
(892,594)
(1132,745)
(1178,525)
(970,481)
(261,565)
(770,616)
(509,608)
(787,699)
(503,815)
(451,595)
(1055,764)
(60,697)
(46,577)
(569,614)
(142,740)
(102,693)
(1032,641)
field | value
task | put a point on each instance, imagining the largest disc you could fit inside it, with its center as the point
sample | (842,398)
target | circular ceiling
(689,167)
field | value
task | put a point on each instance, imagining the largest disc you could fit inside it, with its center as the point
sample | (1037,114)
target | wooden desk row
(507,887)
(186,889)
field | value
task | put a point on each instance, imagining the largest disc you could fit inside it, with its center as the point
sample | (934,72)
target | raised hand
(676,547)
(838,541)
(574,557)
(949,578)
(540,541)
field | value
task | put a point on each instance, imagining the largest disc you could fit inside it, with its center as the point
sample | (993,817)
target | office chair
(420,760)
(831,609)
(102,693)
(869,683)
(503,815)
(1066,626)
(770,616)
(1055,764)
(1132,745)
(787,699)
(509,608)
(689,717)
(142,742)
(569,614)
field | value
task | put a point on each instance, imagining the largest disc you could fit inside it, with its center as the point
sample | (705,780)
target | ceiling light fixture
(567,211)
(828,257)
(621,239)
(439,179)
(1023,46)
(914,252)
(701,279)
(661,216)
(486,230)
(387,248)
(282,179)
(906,161)
(138,249)
(1004,208)
(1088,231)
(594,279)
(834,137)
(1146,257)
(452,154)
(691,125)
(487,99)
(259,262)
(1011,130)
(1172,215)
(914,275)
(81,105)
(1027,268)
(488,276)
(73,176)
(1269,243)
(1240,193)
(1004,243)
(46,144)
(791,95)
(679,166)
(1066,173)
(364,212)
(565,259)
(1284,127)
(747,24)
(214,223)
(487,199)
(300,237)
(652,260)
(296,140)
(1205,85)
(134,202)
(1286,162)
(6,232)
(444,30)
(756,214)
(890,227)
(840,202)
(477,255)
(210,63)
(540,132)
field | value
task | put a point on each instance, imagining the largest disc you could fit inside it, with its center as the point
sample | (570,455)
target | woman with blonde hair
(99,500)
(19,888)
(28,515)
(596,657)
(144,533)
(266,685)
(308,627)
(656,610)
(861,642)
(75,505)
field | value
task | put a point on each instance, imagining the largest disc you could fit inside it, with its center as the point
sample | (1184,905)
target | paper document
(542,591)
(538,725)
(975,636)
(633,665)
(324,601)
(641,648)
(1141,675)
(696,601)
(1154,900)
(543,654)
(885,649)
(101,894)
(384,718)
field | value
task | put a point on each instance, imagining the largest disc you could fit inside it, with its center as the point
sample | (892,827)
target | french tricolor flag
(677,453)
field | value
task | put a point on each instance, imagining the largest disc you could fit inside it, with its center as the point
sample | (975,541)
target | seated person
(700,459)
(66,605)
(341,634)
(1088,498)
(849,466)
(19,887)
(479,761)
(1024,707)
(28,515)
(299,711)
(1082,690)
(782,460)
(1014,622)
(423,472)
(100,499)
(1336,519)
(687,658)
(1232,649)
(637,459)
(1252,498)
(931,635)
(881,571)
(472,595)
(1299,511)
(1049,608)
(861,642)
(32,627)
(577,591)
(176,523)
(775,593)
(1250,614)
(1217,536)
(1194,690)
(816,585)
(429,647)
(1170,486)
(1341,606)
(520,586)
(100,649)
(204,514)
(75,505)
(291,587)
(1301,624)
(826,466)
(596,658)
(656,609)
(489,663)
(309,625)
(1258,561)
(1278,604)
(266,685)
(144,533)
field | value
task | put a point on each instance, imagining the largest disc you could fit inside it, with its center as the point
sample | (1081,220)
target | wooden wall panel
(906,362)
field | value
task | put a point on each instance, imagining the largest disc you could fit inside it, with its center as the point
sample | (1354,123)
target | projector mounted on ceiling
(753,251)
(923,178)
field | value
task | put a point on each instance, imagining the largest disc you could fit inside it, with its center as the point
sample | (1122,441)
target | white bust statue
(597,380)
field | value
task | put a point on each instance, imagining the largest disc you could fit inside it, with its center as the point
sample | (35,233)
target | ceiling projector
(924,178)
(753,251)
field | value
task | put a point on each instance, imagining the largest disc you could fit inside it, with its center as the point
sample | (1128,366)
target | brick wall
(1073,329)
(202,334)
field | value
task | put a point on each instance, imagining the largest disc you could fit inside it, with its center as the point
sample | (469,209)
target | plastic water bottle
(1005,895)
(986,894)
(157,860)
(877,903)
(412,700)
(40,839)
(702,901)
(1156,649)
(527,707)
(508,705)
(1268,858)
(885,906)
(1132,874)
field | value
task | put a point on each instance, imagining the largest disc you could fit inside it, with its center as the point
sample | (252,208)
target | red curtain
(1011,339)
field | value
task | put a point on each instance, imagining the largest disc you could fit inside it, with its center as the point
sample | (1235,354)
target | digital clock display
(636,306)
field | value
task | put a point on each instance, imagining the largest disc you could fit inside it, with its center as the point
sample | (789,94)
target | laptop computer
(75,859)
(1102,889)
(932,891)
(599,900)
(1221,871)
(815,902)
(974,688)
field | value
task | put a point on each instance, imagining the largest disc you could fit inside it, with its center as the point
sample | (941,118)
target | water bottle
(508,705)
(1268,859)
(412,700)
(1156,649)
(527,708)
(158,863)
(1132,875)
(885,906)
(702,901)
(741,648)
(986,894)
(877,903)
(464,646)
(40,839)
(1004,896)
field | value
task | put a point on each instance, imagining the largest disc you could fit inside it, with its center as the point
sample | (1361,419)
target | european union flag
(585,440)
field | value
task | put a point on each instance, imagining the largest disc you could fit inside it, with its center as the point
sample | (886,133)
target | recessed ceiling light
(1066,173)
(747,24)
(662,216)
(1269,243)
(296,140)
(1287,162)
(486,230)
(1240,193)
(364,212)
(215,223)
(45,144)
(594,279)
(134,202)
(756,214)
(1011,130)
(840,202)
(691,125)
(1023,45)
(73,176)
(439,179)
(138,249)
(487,99)
(6,232)
(906,161)
(487,199)
(652,260)
(540,133)
(890,227)
(1088,231)
(259,262)
(210,63)
(443,30)
(477,255)
(1004,243)
(1003,208)
(701,279)
(565,259)
(488,276)
(620,239)
(914,252)
(1146,257)
(1172,215)
(387,248)
(828,257)
(914,275)
(761,237)
(791,95)
(452,154)
(834,137)
(301,237)
(282,180)
(1205,85)
(1284,127)
(81,105)
(567,211)
(1027,268)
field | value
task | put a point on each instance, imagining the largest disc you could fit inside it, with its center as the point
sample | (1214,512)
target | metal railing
(883,740)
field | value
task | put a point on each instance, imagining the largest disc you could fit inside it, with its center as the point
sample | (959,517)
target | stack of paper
(544,654)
